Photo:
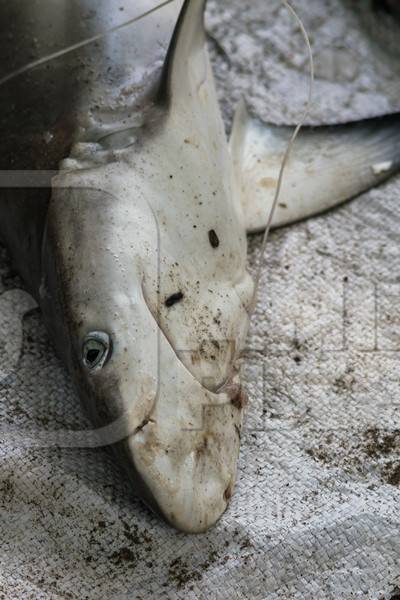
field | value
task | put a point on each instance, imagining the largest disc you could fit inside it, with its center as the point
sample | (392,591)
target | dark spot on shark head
(173,299)
(214,239)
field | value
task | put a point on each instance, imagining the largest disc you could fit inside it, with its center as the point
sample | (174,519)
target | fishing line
(287,153)
(86,42)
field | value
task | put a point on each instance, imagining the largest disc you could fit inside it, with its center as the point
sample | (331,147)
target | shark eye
(96,350)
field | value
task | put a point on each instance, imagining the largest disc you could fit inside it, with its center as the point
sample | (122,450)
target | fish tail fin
(328,165)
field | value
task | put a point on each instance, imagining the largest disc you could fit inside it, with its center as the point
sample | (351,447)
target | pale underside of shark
(136,252)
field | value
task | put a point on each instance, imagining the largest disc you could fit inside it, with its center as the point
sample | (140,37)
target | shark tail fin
(328,165)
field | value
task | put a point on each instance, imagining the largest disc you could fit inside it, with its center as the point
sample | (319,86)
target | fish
(126,212)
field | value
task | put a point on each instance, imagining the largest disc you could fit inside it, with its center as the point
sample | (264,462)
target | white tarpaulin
(316,512)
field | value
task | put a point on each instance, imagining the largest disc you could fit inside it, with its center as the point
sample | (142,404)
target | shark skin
(136,249)
(140,238)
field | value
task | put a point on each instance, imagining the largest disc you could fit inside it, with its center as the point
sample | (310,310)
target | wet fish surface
(135,244)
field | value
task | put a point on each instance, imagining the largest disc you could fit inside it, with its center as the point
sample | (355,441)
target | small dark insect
(214,239)
(173,299)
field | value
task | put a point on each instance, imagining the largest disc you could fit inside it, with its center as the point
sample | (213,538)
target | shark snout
(186,453)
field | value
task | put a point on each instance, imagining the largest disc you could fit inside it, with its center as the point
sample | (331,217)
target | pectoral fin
(328,165)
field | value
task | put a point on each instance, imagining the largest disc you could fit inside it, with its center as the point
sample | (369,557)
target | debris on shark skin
(136,252)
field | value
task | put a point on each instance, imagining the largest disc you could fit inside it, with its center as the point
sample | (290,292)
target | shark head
(145,259)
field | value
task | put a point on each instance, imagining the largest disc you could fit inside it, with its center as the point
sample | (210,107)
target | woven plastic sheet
(316,508)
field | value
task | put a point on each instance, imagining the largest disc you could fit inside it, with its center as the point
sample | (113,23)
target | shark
(126,210)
